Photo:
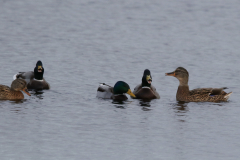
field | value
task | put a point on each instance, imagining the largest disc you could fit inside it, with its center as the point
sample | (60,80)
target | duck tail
(227,95)
(15,76)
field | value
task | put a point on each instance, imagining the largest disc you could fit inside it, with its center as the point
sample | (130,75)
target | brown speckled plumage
(199,94)
(14,93)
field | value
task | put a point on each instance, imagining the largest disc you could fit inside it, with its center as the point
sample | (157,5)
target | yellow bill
(130,93)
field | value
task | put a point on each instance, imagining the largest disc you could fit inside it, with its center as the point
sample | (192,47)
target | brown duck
(14,92)
(199,94)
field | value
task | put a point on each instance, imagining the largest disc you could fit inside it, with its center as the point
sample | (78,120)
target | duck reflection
(17,101)
(38,93)
(16,108)
(119,104)
(181,109)
(181,106)
(145,104)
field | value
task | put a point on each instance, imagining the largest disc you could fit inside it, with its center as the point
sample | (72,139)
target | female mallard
(196,95)
(146,90)
(14,92)
(34,79)
(117,92)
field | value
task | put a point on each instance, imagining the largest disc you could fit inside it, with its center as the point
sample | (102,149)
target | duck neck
(38,75)
(182,92)
(145,83)
(183,81)
(183,89)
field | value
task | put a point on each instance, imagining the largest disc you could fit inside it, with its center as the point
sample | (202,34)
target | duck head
(20,84)
(38,71)
(122,87)
(147,78)
(181,74)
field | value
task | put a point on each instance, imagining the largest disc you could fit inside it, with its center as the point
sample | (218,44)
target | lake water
(83,43)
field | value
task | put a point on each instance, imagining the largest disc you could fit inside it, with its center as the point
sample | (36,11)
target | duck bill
(39,68)
(149,80)
(130,93)
(170,74)
(26,91)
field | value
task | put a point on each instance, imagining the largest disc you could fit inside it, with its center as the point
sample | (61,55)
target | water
(83,43)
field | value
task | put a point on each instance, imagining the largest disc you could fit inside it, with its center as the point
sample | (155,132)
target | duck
(146,90)
(199,94)
(14,92)
(34,78)
(116,93)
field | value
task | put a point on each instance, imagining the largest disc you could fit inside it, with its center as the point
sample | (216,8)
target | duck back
(7,93)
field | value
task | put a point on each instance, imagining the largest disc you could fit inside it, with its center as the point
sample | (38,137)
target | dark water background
(82,43)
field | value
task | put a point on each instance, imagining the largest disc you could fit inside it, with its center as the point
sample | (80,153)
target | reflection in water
(17,108)
(14,103)
(17,101)
(181,106)
(181,109)
(145,104)
(119,104)
(38,94)
(220,103)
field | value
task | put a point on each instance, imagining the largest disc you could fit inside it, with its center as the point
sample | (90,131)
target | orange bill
(170,74)
(26,91)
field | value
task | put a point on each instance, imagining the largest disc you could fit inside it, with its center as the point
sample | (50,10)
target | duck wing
(136,89)
(104,91)
(24,75)
(4,88)
(155,91)
(209,91)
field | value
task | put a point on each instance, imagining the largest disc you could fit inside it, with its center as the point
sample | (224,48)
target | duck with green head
(146,90)
(34,78)
(117,92)
(14,92)
(199,94)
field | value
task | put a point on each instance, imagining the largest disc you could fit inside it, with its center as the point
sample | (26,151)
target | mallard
(199,94)
(14,92)
(34,79)
(146,90)
(117,92)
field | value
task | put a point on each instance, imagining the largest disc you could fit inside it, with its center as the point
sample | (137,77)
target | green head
(38,71)
(147,78)
(122,87)
(39,63)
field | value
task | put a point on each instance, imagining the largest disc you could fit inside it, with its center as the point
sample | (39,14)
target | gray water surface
(83,43)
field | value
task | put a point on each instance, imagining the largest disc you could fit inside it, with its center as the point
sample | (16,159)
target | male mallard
(146,90)
(14,92)
(117,92)
(34,79)
(199,94)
